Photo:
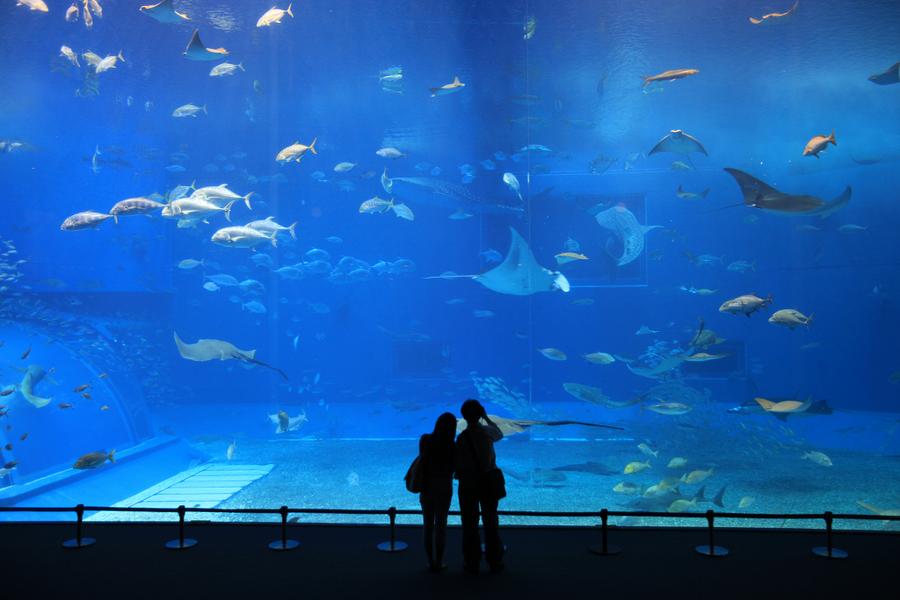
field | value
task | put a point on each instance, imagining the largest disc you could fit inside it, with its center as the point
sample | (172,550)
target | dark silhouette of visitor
(480,485)
(436,452)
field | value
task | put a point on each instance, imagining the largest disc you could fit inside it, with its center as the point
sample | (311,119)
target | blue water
(379,357)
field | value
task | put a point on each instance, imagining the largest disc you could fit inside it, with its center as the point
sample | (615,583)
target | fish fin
(112,455)
(241,66)
(809,319)
(312,146)
(274,242)
(288,11)
(247,200)
(116,219)
(755,21)
(456,79)
(719,498)
(831,138)
(699,497)
(705,193)
(204,110)
(293,230)
(122,58)
(227,210)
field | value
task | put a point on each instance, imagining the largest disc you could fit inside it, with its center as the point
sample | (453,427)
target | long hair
(444,429)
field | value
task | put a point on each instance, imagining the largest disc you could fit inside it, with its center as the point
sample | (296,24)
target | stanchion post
(711,550)
(392,545)
(181,543)
(828,550)
(604,549)
(283,543)
(79,541)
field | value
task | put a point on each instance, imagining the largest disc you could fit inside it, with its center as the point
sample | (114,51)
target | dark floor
(341,562)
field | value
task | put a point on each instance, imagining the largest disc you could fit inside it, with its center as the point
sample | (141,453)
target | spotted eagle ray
(759,194)
(514,426)
(622,223)
(197,51)
(519,274)
(164,12)
(443,193)
(678,142)
(204,350)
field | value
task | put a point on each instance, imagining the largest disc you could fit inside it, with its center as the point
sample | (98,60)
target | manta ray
(285,423)
(889,77)
(197,51)
(519,274)
(759,194)
(205,350)
(514,426)
(678,142)
(774,17)
(164,12)
(622,223)
(443,193)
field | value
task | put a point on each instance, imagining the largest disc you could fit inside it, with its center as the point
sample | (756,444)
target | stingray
(33,375)
(892,75)
(285,423)
(622,223)
(519,274)
(668,363)
(443,193)
(759,194)
(164,12)
(514,426)
(678,142)
(197,51)
(205,350)
(592,467)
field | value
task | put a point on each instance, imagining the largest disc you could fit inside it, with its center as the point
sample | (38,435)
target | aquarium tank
(249,253)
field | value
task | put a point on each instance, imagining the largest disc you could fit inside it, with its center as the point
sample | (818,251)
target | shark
(197,51)
(759,194)
(622,223)
(444,193)
(164,12)
(33,375)
(204,350)
(513,426)
(519,274)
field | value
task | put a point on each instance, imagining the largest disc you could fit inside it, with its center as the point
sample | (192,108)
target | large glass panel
(654,239)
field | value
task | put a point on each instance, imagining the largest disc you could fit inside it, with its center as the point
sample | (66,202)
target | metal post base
(74,543)
(286,545)
(177,545)
(835,552)
(610,550)
(714,552)
(395,547)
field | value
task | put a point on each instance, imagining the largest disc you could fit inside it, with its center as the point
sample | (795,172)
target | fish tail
(705,193)
(112,456)
(241,66)
(227,210)
(809,320)
(115,219)
(122,58)
(293,230)
(699,497)
(274,241)
(247,200)
(288,11)
(312,146)
(204,110)
(831,138)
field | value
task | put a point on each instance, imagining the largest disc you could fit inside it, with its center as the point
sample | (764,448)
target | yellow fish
(624,487)
(696,476)
(599,358)
(681,505)
(746,501)
(295,151)
(785,406)
(553,353)
(636,467)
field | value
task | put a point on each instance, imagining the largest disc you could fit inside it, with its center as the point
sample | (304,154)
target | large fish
(759,194)
(519,274)
(678,142)
(33,375)
(514,426)
(892,75)
(442,193)
(775,17)
(205,350)
(622,223)
(197,51)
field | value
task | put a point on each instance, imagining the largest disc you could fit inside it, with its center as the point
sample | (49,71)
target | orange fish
(81,388)
(86,396)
